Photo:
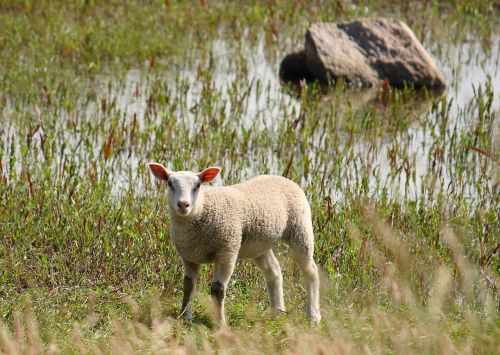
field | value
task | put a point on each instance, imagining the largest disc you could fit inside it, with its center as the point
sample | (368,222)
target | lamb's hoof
(315,319)
(187,315)
(221,326)
(314,316)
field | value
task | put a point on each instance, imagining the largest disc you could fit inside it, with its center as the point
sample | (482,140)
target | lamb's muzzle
(246,220)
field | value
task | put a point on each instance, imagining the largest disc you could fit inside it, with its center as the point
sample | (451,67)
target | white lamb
(221,224)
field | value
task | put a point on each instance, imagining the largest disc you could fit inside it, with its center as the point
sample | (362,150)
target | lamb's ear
(159,171)
(209,174)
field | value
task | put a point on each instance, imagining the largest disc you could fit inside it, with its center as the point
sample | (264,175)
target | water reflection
(243,88)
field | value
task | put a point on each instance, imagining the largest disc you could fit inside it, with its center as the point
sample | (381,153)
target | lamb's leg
(223,269)
(304,258)
(191,271)
(274,279)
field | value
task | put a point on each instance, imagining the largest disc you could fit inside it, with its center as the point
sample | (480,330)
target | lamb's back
(272,205)
(251,216)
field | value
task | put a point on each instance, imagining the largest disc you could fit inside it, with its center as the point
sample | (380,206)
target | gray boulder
(364,52)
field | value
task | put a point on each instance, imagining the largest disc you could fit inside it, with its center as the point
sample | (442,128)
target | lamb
(221,224)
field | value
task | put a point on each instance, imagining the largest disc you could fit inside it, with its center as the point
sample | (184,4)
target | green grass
(404,190)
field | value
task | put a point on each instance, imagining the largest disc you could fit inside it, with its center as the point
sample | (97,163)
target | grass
(404,186)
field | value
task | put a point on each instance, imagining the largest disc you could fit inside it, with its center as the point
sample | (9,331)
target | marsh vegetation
(403,185)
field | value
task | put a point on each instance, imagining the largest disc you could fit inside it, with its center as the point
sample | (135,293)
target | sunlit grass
(404,186)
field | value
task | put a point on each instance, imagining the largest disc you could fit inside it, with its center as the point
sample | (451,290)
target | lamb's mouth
(183,211)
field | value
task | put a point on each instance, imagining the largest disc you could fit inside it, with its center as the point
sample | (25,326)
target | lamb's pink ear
(209,174)
(159,171)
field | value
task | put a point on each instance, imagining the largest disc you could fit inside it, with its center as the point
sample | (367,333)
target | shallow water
(246,91)
(467,68)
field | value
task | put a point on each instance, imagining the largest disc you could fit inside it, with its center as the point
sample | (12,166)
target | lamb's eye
(171,186)
(197,187)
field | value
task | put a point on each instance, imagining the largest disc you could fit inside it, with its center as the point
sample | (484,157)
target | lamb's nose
(183,204)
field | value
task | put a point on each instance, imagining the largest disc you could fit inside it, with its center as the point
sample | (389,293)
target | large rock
(365,52)
(293,68)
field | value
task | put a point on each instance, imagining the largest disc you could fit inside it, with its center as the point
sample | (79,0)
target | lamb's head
(183,186)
